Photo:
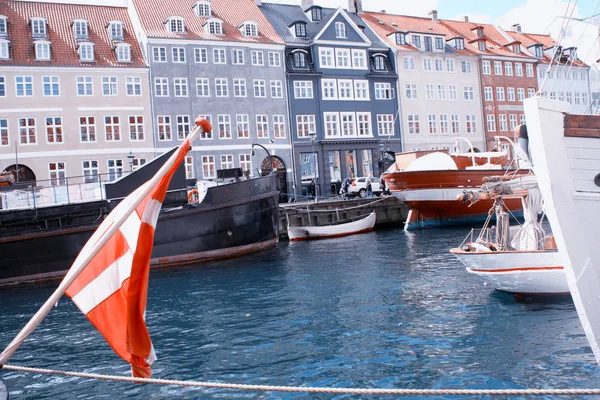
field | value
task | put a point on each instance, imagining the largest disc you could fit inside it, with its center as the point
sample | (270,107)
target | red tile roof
(153,15)
(530,39)
(60,34)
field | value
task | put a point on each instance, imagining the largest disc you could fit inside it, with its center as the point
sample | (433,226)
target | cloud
(401,7)
(536,15)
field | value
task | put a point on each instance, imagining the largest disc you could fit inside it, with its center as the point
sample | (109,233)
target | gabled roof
(233,13)
(532,39)
(60,34)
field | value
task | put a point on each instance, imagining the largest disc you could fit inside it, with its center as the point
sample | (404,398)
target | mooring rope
(308,389)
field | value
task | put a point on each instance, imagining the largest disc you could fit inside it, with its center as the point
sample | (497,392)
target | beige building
(74,95)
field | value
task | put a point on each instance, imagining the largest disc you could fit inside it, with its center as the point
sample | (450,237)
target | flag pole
(78,265)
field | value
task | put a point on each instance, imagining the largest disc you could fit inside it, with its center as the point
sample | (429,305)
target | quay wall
(389,211)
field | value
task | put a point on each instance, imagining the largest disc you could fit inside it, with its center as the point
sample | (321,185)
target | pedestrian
(345,187)
(369,186)
(312,188)
(382,186)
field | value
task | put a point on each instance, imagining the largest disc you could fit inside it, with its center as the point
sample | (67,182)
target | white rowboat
(333,230)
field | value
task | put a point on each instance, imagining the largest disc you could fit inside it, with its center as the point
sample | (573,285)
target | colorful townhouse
(438,81)
(74,95)
(342,93)
(224,61)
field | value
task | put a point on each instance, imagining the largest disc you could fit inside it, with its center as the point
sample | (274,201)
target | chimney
(466,18)
(517,28)
(258,2)
(306,4)
(355,6)
(434,17)
(382,11)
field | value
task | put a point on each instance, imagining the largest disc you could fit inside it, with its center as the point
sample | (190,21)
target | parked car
(359,187)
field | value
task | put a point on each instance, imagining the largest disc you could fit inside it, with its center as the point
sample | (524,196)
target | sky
(533,15)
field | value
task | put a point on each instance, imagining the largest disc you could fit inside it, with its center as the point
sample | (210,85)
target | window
(260,88)
(429,92)
(4,53)
(508,70)
(383,91)
(159,54)
(414,126)
(409,63)
(416,41)
(176,25)
(481,45)
(226,161)
(466,67)
(513,121)
(364,123)
(115,169)
(219,56)
(345,90)
(498,67)
(427,64)
(304,125)
(112,128)
(136,163)
(455,123)
(214,27)
(181,87)
(469,93)
(340,30)
(342,57)
(51,85)
(109,86)
(486,67)
(115,29)
(91,172)
(133,85)
(164,127)
(491,122)
(201,55)
(3,25)
(277,89)
(4,139)
(326,57)
(441,91)
(577,98)
(38,27)
(361,90)
(249,29)
(27,133)
(359,59)
(245,162)
(221,87)
(42,50)
(569,98)
(449,65)
(278,126)
(84,86)
(257,57)
(428,44)
(531,92)
(522,119)
(431,118)
(400,38)
(87,129)
(510,94)
(299,59)
(315,14)
(224,126)
(183,126)
(237,57)
(452,92)
(24,86)
(410,90)
(57,173)
(86,52)
(471,124)
(502,120)
(385,124)
(239,87)
(262,126)
(459,43)
(208,167)
(242,126)
(518,69)
(332,124)
(136,127)
(529,69)
(444,125)
(439,43)
(300,29)
(178,54)
(584,99)
(348,124)
(500,93)
(439,64)
(203,9)
(202,87)
(54,130)
(80,29)
(380,63)
(488,93)
(274,59)
(303,90)
(123,52)
(161,87)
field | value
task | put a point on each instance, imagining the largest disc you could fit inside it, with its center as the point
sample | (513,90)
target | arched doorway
(279,165)
(25,174)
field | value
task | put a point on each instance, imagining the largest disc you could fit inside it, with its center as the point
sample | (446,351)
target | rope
(338,209)
(308,389)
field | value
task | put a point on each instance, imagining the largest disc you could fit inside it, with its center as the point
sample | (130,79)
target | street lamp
(268,154)
(131,157)
(312,134)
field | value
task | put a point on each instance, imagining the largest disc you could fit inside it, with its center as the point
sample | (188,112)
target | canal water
(387,309)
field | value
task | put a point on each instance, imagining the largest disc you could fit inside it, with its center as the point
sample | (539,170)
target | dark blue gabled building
(342,93)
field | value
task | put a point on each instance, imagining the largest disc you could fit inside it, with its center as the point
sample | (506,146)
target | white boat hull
(332,231)
(523,272)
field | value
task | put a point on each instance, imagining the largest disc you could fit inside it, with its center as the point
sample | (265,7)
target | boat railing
(54,192)
(479,235)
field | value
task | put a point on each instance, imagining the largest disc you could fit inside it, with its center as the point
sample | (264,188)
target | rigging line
(587,55)
(563,28)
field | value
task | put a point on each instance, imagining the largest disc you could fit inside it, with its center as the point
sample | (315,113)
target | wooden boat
(429,181)
(566,154)
(334,230)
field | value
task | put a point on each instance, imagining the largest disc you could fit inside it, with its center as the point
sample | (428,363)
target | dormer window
(300,29)
(459,44)
(175,25)
(86,52)
(479,31)
(481,45)
(38,28)
(214,26)
(42,50)
(115,29)
(439,43)
(4,49)
(517,48)
(400,38)
(249,28)
(416,41)
(3,26)
(300,59)
(340,30)
(123,51)
(80,29)
(539,51)
(379,62)
(203,9)
(316,14)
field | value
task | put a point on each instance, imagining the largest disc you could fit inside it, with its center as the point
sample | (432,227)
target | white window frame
(87,124)
(279,126)
(303,90)
(219,56)
(163,84)
(202,87)
(385,124)
(52,82)
(163,123)
(239,87)
(112,128)
(340,30)
(242,126)
(262,126)
(180,87)
(208,167)
(305,124)
(136,127)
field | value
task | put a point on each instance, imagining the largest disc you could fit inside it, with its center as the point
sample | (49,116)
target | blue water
(385,309)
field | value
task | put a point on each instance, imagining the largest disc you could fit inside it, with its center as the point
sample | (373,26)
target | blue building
(341,87)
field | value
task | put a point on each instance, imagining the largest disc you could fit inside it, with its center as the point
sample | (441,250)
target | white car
(358,187)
